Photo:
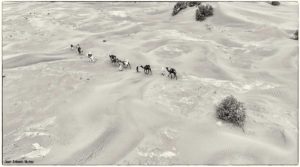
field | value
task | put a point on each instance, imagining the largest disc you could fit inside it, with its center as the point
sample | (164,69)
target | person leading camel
(147,69)
(79,50)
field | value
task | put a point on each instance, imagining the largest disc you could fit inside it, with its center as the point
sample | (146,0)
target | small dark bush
(199,15)
(194,3)
(232,111)
(275,3)
(178,7)
(296,35)
(204,11)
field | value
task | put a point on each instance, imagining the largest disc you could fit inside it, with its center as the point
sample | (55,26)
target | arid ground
(58,108)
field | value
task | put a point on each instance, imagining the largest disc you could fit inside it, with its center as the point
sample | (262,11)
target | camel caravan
(165,71)
(92,58)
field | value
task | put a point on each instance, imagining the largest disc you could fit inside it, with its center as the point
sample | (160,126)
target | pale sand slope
(58,108)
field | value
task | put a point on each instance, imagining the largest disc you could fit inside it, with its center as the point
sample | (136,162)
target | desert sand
(58,108)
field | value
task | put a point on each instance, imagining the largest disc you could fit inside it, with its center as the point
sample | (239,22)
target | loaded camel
(122,64)
(91,57)
(125,64)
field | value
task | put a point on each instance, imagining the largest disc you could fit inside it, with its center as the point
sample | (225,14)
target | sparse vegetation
(204,11)
(275,3)
(231,110)
(194,3)
(199,15)
(178,7)
(296,35)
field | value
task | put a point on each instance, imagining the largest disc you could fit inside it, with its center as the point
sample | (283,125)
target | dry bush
(275,3)
(296,35)
(204,11)
(199,15)
(231,110)
(194,3)
(178,7)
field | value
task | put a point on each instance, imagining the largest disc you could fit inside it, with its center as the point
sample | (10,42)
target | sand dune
(60,109)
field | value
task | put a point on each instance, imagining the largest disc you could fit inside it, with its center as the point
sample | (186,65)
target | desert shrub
(204,11)
(275,3)
(178,7)
(232,111)
(193,3)
(199,15)
(296,35)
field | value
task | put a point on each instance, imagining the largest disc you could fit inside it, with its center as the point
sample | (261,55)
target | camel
(171,71)
(163,71)
(113,59)
(91,57)
(147,69)
(125,63)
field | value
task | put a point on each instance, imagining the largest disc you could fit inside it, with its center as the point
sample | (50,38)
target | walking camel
(172,72)
(147,69)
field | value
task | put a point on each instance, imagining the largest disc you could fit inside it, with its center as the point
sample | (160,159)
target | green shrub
(232,111)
